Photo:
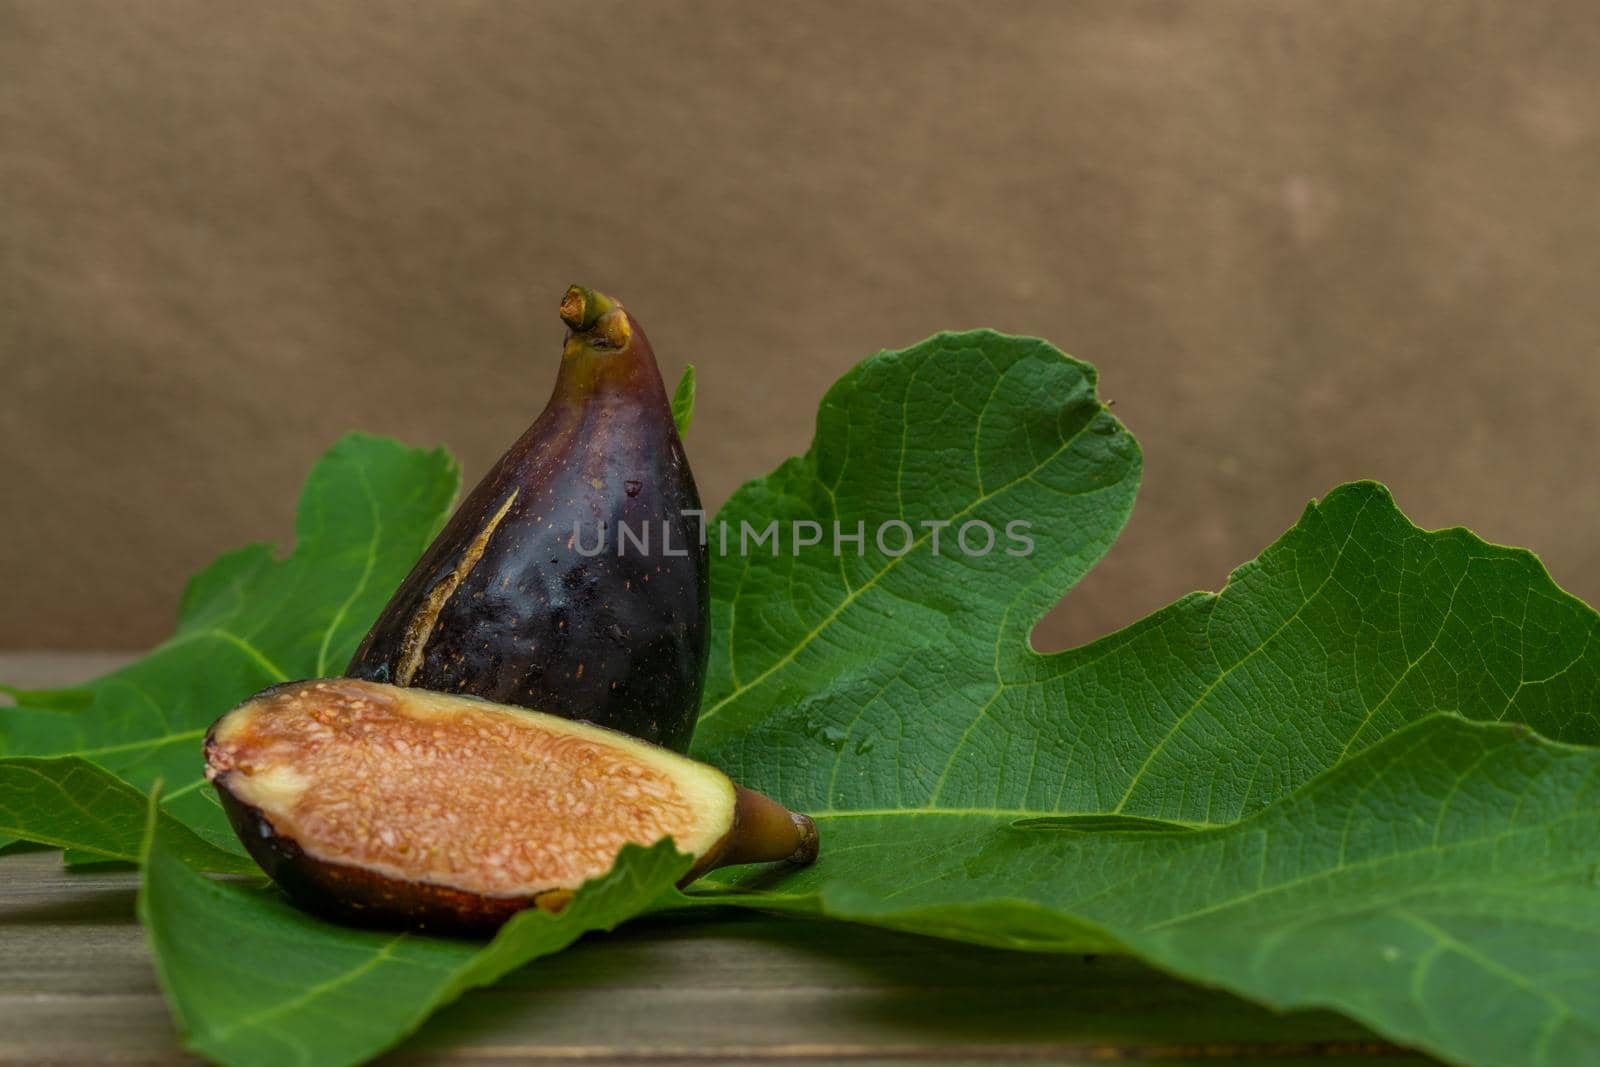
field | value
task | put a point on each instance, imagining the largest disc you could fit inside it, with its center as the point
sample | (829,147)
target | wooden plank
(42,670)
(76,986)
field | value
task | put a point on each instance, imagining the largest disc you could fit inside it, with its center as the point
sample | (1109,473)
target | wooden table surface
(76,987)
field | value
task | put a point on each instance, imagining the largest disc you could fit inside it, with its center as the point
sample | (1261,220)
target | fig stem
(764,831)
(582,307)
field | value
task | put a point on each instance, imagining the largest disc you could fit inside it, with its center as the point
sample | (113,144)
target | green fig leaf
(369,508)
(254,982)
(683,401)
(54,699)
(1441,886)
(73,804)
(968,786)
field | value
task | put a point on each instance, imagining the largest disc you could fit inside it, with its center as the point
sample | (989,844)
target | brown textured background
(1304,243)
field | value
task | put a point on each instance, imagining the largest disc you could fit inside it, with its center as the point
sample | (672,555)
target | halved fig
(389,806)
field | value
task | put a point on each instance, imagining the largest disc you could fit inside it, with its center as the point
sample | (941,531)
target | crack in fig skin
(382,805)
(619,640)
(420,628)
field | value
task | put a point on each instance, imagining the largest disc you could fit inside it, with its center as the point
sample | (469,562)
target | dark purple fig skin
(620,641)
